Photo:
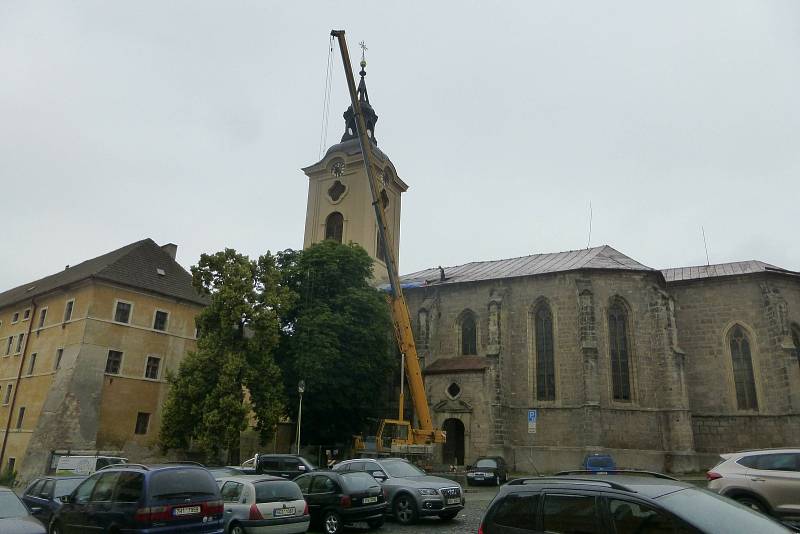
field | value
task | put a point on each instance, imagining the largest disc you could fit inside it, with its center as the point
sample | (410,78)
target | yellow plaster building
(84,355)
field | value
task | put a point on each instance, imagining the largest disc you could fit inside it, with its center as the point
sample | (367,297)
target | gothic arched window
(545,362)
(469,335)
(619,348)
(743,377)
(796,341)
(334,225)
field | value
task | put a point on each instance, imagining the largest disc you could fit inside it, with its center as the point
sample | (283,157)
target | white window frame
(31,364)
(158,371)
(42,318)
(15,317)
(166,324)
(26,311)
(8,346)
(7,394)
(114,312)
(20,422)
(57,361)
(20,344)
(121,361)
(64,319)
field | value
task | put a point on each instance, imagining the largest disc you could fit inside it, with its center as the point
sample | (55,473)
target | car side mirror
(66,499)
(379,475)
(301,468)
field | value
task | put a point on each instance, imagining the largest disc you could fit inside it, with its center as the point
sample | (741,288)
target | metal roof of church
(679,274)
(603,257)
(134,265)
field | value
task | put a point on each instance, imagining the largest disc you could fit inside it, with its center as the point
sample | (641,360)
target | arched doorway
(453,450)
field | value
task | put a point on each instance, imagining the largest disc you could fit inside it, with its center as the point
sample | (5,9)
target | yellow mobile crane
(404,439)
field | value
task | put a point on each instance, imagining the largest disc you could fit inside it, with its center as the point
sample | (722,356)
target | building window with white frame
(122,312)
(42,317)
(10,344)
(32,364)
(26,314)
(160,320)
(20,342)
(15,318)
(7,396)
(152,367)
(114,362)
(59,355)
(20,417)
(68,307)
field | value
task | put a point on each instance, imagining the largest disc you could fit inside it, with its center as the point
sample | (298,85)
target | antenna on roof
(589,240)
(705,244)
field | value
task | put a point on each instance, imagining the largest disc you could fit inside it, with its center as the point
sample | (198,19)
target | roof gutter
(16,383)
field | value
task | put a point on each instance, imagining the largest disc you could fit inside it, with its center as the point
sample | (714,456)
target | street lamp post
(301,387)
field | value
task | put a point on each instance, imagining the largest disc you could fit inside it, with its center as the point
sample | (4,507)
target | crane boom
(399,309)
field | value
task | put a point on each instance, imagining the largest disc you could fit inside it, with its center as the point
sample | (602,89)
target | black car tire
(375,523)
(331,522)
(405,509)
(55,528)
(235,528)
(447,516)
(753,503)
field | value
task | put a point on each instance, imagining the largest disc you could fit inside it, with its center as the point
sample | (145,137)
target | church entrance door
(453,450)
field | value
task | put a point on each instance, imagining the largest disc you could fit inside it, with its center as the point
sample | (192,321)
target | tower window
(453,390)
(334,226)
(618,346)
(743,377)
(336,190)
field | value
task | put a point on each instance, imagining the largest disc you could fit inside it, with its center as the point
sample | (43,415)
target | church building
(545,358)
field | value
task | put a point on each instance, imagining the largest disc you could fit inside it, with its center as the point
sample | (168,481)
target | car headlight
(427,491)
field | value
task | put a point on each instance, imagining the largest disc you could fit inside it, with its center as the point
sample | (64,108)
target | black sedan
(488,470)
(15,517)
(337,499)
(42,495)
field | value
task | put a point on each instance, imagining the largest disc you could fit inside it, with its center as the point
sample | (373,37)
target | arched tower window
(619,348)
(796,341)
(545,362)
(334,225)
(469,335)
(743,378)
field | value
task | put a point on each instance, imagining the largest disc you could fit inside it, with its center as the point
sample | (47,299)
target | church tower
(339,197)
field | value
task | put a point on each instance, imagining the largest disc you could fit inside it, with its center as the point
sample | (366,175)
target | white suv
(767,480)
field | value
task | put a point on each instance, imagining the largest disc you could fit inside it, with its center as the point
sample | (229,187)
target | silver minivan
(766,480)
(263,504)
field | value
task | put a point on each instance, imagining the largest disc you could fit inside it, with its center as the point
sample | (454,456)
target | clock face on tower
(338,169)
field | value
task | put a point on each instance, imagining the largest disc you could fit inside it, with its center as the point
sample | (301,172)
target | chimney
(171,249)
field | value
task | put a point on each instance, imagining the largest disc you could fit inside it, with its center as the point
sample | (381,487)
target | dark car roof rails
(548,480)
(616,472)
(124,466)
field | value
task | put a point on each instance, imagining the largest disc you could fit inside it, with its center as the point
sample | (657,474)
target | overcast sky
(189,122)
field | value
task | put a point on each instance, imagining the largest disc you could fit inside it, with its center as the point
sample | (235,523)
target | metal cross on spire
(363,50)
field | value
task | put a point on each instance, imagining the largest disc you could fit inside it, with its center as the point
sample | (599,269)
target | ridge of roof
(719,270)
(132,265)
(600,257)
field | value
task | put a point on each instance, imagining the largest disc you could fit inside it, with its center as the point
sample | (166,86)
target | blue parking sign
(532,415)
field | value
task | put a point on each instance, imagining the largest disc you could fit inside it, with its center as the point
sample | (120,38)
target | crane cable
(326,102)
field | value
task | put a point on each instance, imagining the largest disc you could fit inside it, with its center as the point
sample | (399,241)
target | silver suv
(766,480)
(410,492)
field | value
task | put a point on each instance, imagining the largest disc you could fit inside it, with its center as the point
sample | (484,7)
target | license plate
(367,500)
(454,500)
(186,510)
(282,512)
(479,477)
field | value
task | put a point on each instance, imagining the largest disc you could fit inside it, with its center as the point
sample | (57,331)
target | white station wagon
(263,504)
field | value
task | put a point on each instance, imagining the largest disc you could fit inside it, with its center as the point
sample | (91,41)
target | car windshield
(486,462)
(11,506)
(402,469)
(173,483)
(601,461)
(66,485)
(359,481)
(715,514)
(277,491)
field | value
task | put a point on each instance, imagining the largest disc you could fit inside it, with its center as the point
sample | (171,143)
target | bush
(8,478)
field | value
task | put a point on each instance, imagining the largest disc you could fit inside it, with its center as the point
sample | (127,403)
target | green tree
(231,381)
(337,337)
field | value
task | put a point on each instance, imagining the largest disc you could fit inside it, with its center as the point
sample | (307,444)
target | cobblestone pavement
(468,521)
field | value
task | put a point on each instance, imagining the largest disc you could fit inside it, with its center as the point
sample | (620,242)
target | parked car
(137,498)
(15,518)
(337,499)
(409,491)
(42,496)
(287,466)
(263,504)
(621,504)
(765,480)
(488,470)
(85,465)
(598,462)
